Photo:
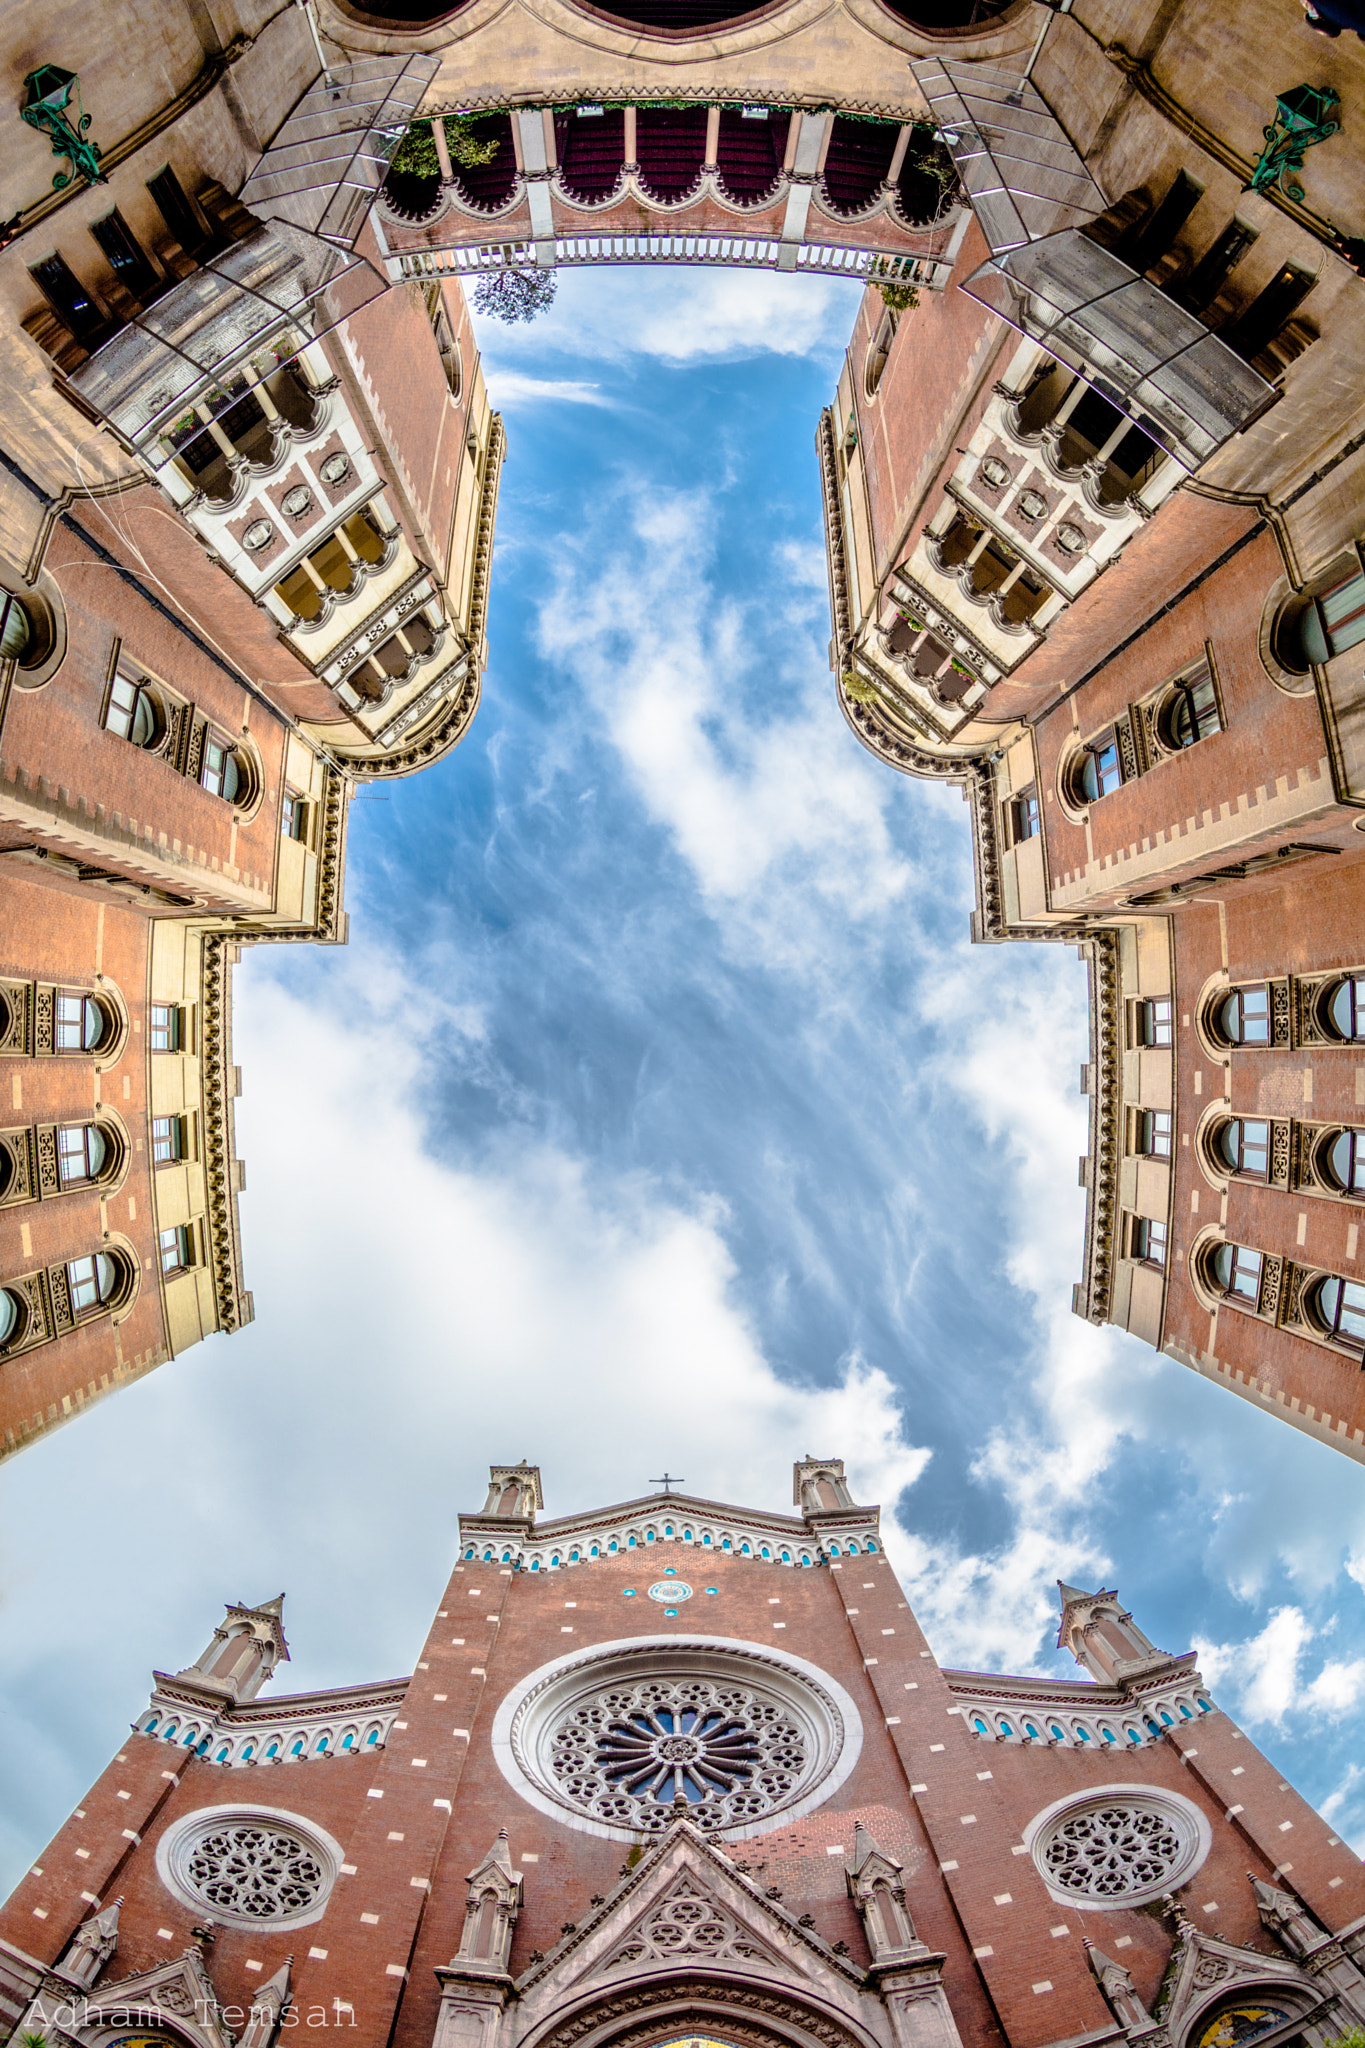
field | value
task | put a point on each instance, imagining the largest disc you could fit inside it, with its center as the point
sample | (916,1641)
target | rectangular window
(83,1277)
(69,1034)
(1025,816)
(76,1148)
(1342,611)
(70,300)
(176,209)
(168,1140)
(177,1249)
(1154,1021)
(293,816)
(1245,1277)
(214,770)
(1255,1147)
(1154,1133)
(1255,1015)
(126,257)
(1149,1241)
(163,1031)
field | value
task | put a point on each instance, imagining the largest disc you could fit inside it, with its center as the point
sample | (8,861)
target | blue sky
(660,1113)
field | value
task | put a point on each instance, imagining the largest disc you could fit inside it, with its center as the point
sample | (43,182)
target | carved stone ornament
(335,469)
(249,1866)
(298,502)
(1119,1848)
(689,1923)
(258,535)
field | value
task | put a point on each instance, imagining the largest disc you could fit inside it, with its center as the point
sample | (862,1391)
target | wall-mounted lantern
(1303,116)
(46,105)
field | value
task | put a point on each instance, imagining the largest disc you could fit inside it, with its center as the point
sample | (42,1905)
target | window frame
(1146,1018)
(1335,986)
(175,1137)
(1331,1329)
(145,691)
(1240,1169)
(89,1176)
(1181,691)
(85,998)
(1147,1135)
(1149,1242)
(1024,813)
(1242,1255)
(176,1250)
(1088,756)
(85,1310)
(1238,993)
(174,1027)
(1353,1188)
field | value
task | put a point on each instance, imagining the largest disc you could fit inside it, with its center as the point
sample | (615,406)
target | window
(1191,714)
(1335,620)
(1339,1305)
(1099,771)
(1346,1008)
(81,1024)
(1154,1133)
(164,1032)
(1153,1022)
(16,628)
(251,1866)
(1025,816)
(1236,1272)
(293,816)
(13,1317)
(1112,1850)
(126,257)
(81,1153)
(222,773)
(1244,1016)
(1346,1161)
(1149,1240)
(177,1248)
(1244,1145)
(134,712)
(93,1282)
(70,300)
(168,1139)
(178,212)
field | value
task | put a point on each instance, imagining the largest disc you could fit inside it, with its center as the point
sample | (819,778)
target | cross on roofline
(668,1481)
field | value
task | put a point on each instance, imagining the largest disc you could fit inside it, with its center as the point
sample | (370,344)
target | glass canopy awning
(1033,198)
(324,168)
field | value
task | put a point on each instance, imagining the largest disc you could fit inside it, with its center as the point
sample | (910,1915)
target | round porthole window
(670,1589)
(250,1866)
(1118,1848)
(608,1740)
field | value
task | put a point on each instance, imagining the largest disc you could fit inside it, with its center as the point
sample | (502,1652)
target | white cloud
(1262,1673)
(681,315)
(508,389)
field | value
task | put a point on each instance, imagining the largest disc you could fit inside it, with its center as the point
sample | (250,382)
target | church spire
(244,1650)
(1102,1635)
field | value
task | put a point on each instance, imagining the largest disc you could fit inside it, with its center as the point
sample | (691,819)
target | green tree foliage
(513,295)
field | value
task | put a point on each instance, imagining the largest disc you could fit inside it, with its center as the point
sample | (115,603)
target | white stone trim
(526,1713)
(1187,1818)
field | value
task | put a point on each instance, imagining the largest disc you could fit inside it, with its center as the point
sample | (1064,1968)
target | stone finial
(819,1485)
(268,2008)
(1117,1986)
(1285,1917)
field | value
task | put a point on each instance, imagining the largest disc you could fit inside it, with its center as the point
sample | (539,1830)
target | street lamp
(48,96)
(1303,116)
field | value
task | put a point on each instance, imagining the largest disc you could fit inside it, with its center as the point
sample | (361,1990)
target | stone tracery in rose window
(1110,1851)
(625,1755)
(261,1873)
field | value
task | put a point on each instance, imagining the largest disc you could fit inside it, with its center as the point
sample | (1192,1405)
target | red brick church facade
(677,1770)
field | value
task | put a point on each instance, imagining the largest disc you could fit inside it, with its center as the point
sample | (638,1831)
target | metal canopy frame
(1033,195)
(324,168)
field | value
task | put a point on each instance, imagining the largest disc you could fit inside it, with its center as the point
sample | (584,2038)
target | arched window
(1055,1732)
(1107,1735)
(469,1554)
(1098,769)
(152,1720)
(1338,1306)
(1345,1013)
(1345,1161)
(222,1755)
(81,1153)
(1235,1271)
(871,1544)
(1243,1016)
(573,1556)
(296,1748)
(853,1550)
(16,628)
(765,1552)
(13,1318)
(630,1543)
(594,1552)
(169,1730)
(744,1550)
(94,1281)
(1191,713)
(1031,1731)
(1244,1145)
(372,1738)
(224,771)
(135,712)
(980,1725)
(1335,620)
(1005,1728)
(82,1023)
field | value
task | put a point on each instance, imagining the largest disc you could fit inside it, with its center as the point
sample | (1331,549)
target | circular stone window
(249,1866)
(607,1740)
(1118,1848)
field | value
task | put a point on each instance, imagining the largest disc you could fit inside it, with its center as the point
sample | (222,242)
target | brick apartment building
(247,497)
(1099,561)
(678,1770)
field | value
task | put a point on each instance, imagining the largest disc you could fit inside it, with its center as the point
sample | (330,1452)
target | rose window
(1107,1851)
(249,1865)
(611,1738)
(629,1753)
(260,1872)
